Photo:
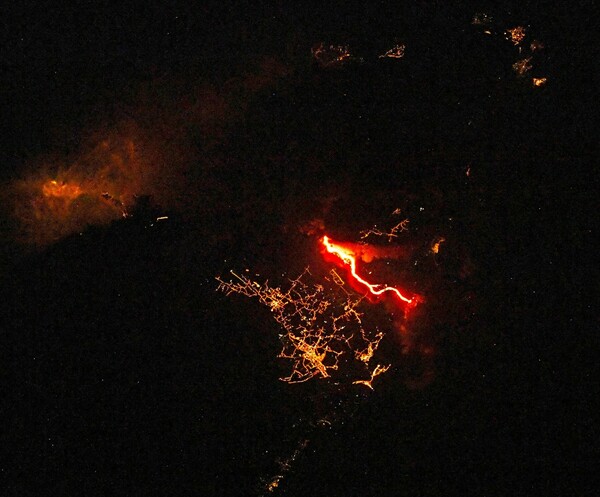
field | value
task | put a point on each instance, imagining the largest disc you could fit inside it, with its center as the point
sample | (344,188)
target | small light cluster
(517,36)
(389,234)
(396,52)
(331,55)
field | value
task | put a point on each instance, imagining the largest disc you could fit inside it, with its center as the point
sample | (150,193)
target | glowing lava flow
(349,259)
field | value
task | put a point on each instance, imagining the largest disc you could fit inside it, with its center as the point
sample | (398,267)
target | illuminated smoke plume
(162,146)
(92,186)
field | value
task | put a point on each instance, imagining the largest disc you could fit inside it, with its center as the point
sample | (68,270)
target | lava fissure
(348,258)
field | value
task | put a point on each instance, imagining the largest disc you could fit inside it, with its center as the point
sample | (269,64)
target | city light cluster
(321,323)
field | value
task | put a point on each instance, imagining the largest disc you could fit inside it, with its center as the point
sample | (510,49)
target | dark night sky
(125,373)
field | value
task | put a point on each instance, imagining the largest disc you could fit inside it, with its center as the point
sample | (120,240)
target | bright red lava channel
(349,259)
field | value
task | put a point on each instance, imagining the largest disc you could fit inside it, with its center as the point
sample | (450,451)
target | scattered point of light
(536,45)
(285,466)
(392,233)
(481,18)
(331,55)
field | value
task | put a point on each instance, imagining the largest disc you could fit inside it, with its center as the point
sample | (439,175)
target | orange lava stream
(349,258)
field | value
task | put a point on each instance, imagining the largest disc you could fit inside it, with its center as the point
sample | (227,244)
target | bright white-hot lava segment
(349,259)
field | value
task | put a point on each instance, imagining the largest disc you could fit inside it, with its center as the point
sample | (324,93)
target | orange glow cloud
(164,146)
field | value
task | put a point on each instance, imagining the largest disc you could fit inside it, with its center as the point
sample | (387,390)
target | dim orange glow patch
(536,45)
(481,18)
(539,81)
(53,188)
(91,186)
(145,149)
(435,248)
(274,483)
(522,66)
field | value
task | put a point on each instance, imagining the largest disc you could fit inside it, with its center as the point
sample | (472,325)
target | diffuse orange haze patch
(53,188)
(162,146)
(91,186)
